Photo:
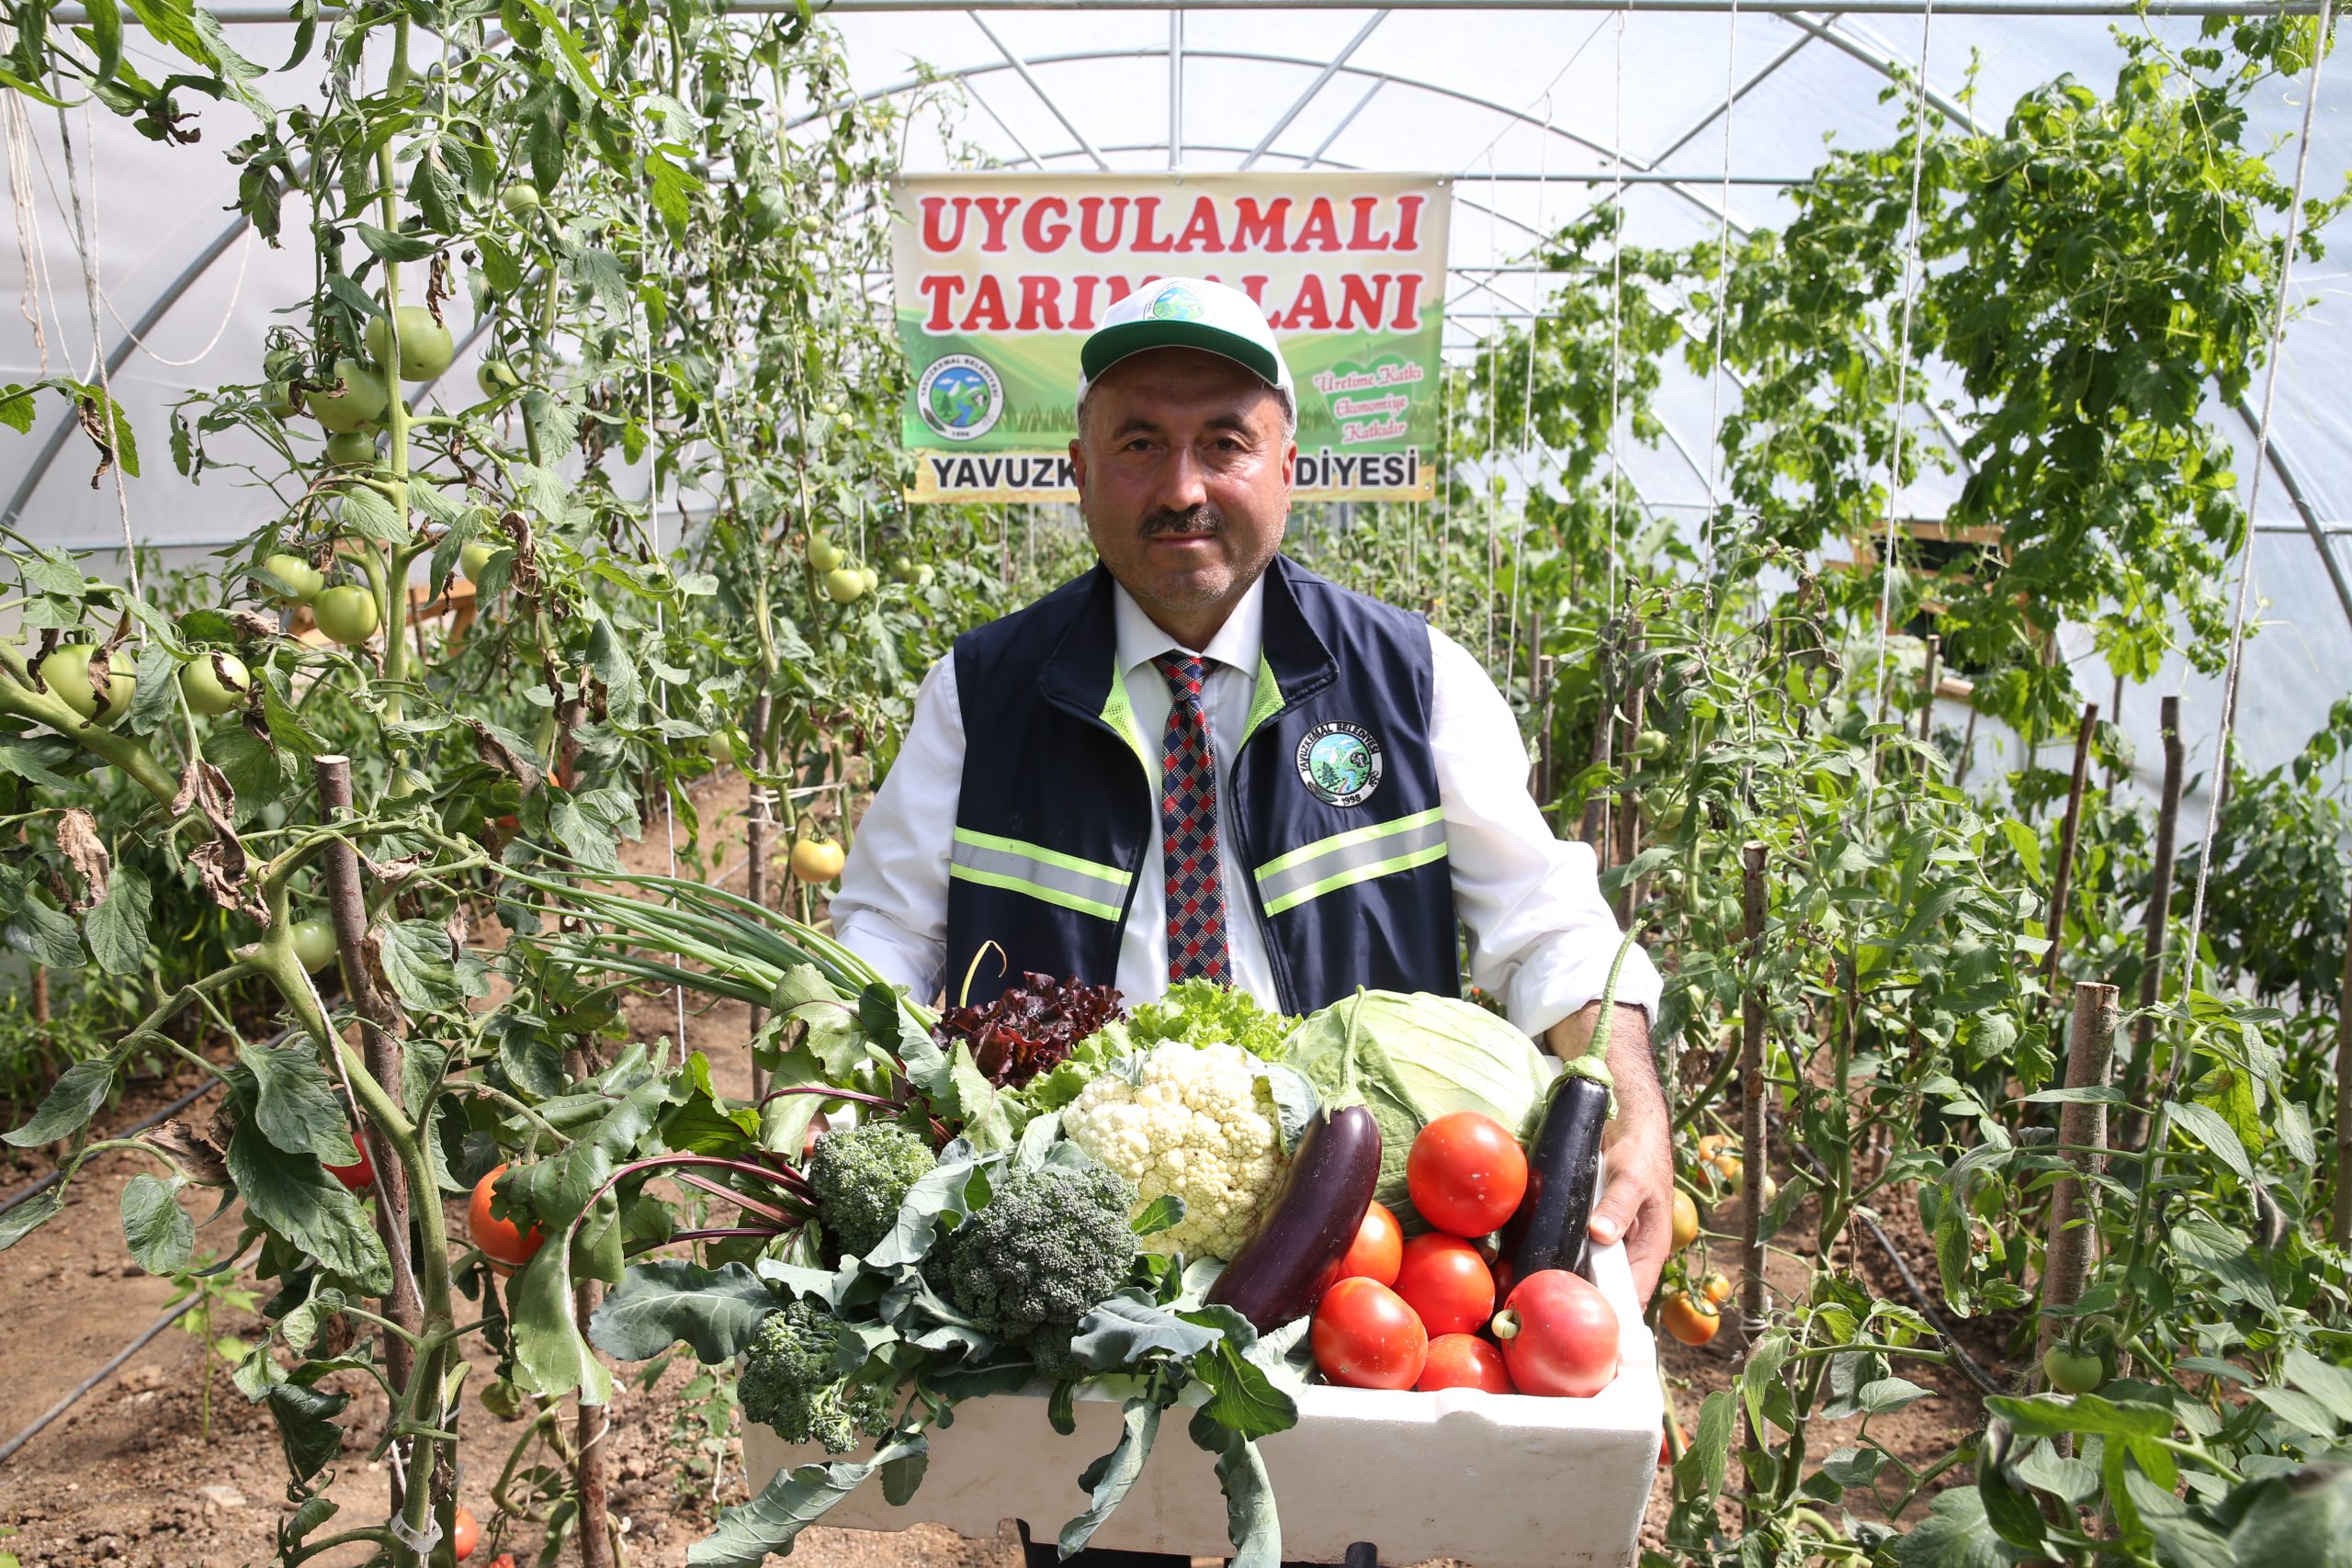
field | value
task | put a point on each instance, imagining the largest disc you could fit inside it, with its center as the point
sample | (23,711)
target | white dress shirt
(1541,935)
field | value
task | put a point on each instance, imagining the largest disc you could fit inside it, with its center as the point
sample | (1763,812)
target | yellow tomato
(1692,1319)
(818,861)
(1686,1219)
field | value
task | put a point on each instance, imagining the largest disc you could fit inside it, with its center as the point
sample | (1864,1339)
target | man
(1201,759)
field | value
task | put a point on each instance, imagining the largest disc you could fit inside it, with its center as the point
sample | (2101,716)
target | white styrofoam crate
(1498,1481)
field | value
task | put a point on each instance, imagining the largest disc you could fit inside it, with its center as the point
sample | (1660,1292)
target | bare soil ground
(139,1473)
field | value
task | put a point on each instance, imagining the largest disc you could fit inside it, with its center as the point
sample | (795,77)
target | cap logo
(1340,763)
(1177,303)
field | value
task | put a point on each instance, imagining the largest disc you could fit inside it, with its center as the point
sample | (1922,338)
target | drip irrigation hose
(1977,1374)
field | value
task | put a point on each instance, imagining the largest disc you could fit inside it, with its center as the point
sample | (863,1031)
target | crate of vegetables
(1198,1279)
(1497,1480)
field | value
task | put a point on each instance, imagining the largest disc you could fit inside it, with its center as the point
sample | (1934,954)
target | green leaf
(550,1356)
(2331,1386)
(365,511)
(1123,1329)
(426,973)
(2051,1415)
(306,1427)
(1251,1523)
(156,1230)
(1699,1471)
(293,1197)
(1955,1534)
(716,1312)
(791,1502)
(72,1100)
(45,932)
(297,1108)
(29,1216)
(939,1193)
(1110,1477)
(1163,1213)
(116,925)
(395,247)
(2206,1125)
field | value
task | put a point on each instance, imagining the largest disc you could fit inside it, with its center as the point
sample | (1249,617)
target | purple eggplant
(1310,1222)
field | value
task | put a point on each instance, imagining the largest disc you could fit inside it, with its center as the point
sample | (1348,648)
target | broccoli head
(1049,1347)
(860,1174)
(1047,1245)
(789,1384)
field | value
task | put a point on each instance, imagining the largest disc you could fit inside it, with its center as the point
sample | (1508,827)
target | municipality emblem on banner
(960,397)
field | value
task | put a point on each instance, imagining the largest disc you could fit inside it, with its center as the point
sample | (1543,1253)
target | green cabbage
(1411,1059)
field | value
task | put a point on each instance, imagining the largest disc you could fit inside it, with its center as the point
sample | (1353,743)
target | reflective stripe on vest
(1086,886)
(1346,859)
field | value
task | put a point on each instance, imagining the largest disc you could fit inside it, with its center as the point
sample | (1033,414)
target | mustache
(1202,519)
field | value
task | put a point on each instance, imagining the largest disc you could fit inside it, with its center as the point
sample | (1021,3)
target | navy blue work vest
(1330,830)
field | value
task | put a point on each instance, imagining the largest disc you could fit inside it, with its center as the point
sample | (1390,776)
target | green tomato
(843,586)
(496,377)
(66,673)
(719,748)
(475,559)
(1650,743)
(923,575)
(351,448)
(215,683)
(871,577)
(520,197)
(347,614)
(427,347)
(281,401)
(823,554)
(2073,1371)
(297,574)
(314,943)
(361,398)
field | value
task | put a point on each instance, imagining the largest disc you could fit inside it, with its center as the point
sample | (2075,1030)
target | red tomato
(1445,1281)
(463,1533)
(1365,1337)
(501,1241)
(359,1176)
(1466,1174)
(1559,1335)
(1463,1361)
(1374,1254)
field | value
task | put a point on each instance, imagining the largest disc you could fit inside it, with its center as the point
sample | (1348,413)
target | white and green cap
(1186,313)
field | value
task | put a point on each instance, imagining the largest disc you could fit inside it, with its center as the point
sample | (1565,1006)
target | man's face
(1184,476)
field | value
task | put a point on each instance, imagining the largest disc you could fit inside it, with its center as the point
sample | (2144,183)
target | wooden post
(1546,779)
(589,1431)
(1593,826)
(2066,838)
(381,1028)
(758,835)
(2159,925)
(1928,699)
(2082,1130)
(2343,1229)
(1629,817)
(1753,1098)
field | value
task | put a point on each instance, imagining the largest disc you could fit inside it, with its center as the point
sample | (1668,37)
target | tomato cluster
(1421,1314)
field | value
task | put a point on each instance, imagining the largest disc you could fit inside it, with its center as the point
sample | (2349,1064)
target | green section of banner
(1000,276)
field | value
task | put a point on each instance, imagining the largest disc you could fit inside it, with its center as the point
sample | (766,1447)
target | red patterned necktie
(1188,827)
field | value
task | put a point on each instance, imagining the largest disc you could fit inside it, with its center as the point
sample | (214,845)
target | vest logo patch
(1340,763)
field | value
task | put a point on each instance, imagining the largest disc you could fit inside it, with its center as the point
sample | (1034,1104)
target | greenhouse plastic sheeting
(1501,1481)
(1524,107)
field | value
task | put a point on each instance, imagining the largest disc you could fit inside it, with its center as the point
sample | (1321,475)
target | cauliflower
(1194,1120)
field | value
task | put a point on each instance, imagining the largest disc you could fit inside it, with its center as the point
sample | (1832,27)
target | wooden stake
(2343,1231)
(381,1028)
(758,836)
(2159,926)
(2066,838)
(1752,1150)
(2082,1130)
(590,1429)
(1927,702)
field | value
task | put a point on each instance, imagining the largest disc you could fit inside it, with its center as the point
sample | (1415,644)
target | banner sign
(1000,278)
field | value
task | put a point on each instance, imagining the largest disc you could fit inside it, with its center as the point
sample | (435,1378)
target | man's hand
(1638,1205)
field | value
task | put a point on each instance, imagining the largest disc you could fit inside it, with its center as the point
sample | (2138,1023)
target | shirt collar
(1238,644)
